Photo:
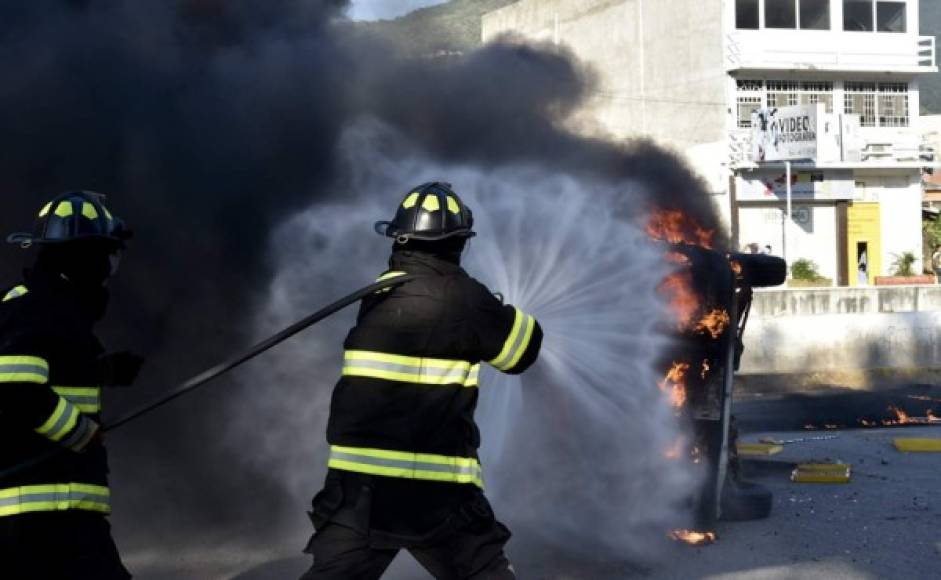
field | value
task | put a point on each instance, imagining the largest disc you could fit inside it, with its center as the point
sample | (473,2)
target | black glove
(119,369)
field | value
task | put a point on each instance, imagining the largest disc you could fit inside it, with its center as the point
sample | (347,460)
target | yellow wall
(864,225)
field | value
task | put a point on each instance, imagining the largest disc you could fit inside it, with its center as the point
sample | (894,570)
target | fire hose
(224,367)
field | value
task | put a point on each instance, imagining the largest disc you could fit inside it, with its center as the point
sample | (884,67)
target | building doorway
(864,243)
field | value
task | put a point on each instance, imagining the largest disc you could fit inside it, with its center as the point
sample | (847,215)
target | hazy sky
(376,9)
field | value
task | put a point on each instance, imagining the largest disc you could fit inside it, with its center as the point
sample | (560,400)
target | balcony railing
(847,51)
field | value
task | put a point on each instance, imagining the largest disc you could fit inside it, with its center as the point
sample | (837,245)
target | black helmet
(71,216)
(430,212)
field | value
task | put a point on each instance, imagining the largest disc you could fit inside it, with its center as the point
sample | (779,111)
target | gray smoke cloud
(218,128)
(574,450)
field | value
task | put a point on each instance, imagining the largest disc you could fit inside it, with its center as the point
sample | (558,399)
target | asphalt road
(884,524)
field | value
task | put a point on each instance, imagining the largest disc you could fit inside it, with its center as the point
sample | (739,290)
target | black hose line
(222,368)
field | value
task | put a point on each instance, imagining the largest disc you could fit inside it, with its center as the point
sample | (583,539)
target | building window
(857,15)
(893,105)
(860,99)
(746,14)
(783,93)
(885,105)
(753,94)
(815,14)
(750,98)
(746,106)
(879,15)
(817,92)
(890,17)
(780,14)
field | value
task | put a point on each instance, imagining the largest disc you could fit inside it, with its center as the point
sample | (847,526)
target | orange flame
(705,369)
(675,383)
(676,227)
(676,449)
(713,323)
(677,258)
(683,300)
(692,537)
(903,418)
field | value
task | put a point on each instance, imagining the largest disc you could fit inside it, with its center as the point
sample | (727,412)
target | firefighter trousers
(64,545)
(472,552)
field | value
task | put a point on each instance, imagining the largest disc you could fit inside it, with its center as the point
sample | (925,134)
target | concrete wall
(659,64)
(843,329)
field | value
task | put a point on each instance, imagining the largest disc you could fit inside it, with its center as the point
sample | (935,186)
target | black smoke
(208,122)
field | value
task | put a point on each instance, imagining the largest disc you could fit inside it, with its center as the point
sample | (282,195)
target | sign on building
(814,184)
(785,133)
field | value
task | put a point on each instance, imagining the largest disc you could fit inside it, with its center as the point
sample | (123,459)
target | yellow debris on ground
(758,448)
(914,445)
(822,473)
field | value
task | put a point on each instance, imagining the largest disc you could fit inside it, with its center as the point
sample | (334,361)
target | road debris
(918,445)
(822,473)
(774,441)
(764,448)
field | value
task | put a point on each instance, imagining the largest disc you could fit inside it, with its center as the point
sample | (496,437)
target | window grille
(860,99)
(746,106)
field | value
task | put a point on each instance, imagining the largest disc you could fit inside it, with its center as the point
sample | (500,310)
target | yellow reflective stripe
(453,206)
(431,203)
(16,293)
(45,209)
(516,344)
(411,200)
(87,399)
(89,211)
(61,421)
(55,497)
(406,465)
(388,275)
(64,209)
(527,337)
(23,369)
(409,369)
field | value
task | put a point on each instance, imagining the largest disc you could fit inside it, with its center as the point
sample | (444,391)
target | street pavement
(884,524)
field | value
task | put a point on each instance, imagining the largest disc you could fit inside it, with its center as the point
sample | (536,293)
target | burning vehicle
(710,295)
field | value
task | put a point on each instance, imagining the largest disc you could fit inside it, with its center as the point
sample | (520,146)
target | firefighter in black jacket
(403,467)
(54,495)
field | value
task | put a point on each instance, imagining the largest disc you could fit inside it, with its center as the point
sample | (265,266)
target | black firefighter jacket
(50,400)
(402,414)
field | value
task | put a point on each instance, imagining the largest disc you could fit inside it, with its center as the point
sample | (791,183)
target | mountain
(449,28)
(454,27)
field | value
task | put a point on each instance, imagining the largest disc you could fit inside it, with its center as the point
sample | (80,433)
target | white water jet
(574,450)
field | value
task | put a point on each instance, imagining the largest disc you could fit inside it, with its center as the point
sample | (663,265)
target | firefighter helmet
(430,212)
(71,216)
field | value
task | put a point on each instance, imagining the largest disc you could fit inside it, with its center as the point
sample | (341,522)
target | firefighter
(54,495)
(403,466)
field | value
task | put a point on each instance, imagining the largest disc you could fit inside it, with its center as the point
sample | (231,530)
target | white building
(688,74)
